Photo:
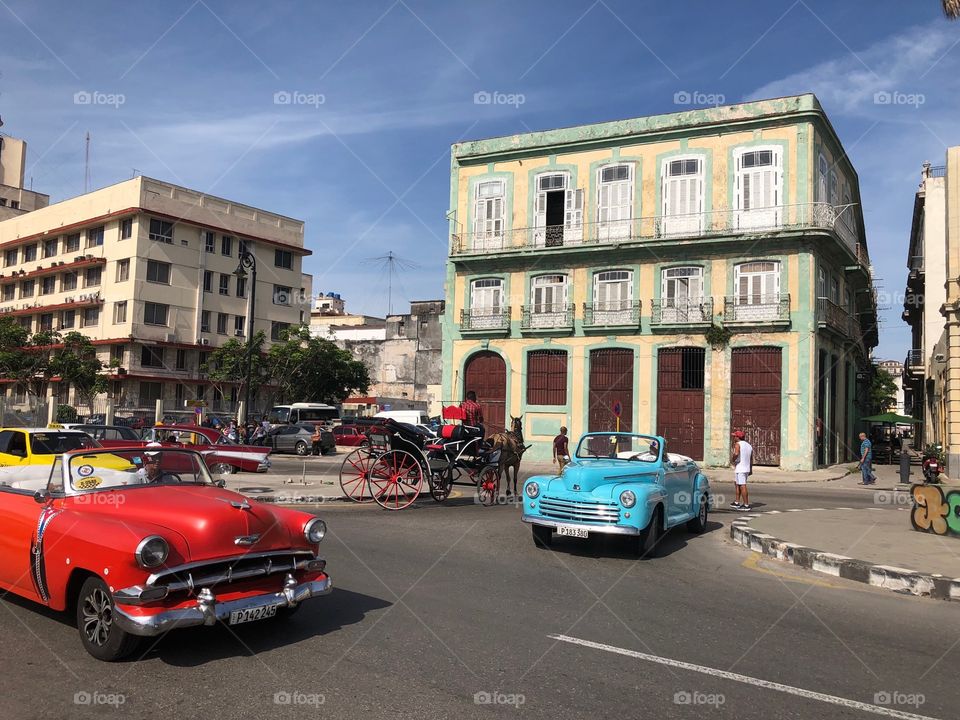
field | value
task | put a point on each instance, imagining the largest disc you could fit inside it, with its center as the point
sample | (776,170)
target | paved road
(439,603)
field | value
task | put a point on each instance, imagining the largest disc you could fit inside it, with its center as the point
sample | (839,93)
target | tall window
(681,291)
(50,247)
(10,257)
(90,317)
(48,285)
(9,292)
(95,236)
(126,228)
(208,281)
(92,276)
(29,253)
(68,318)
(486,299)
(71,243)
(682,184)
(558,211)
(181,359)
(823,172)
(161,231)
(27,289)
(238,324)
(120,312)
(612,297)
(210,242)
(757,290)
(614,201)
(123,270)
(226,245)
(549,295)
(158,272)
(68,281)
(204,321)
(241,287)
(222,323)
(224,284)
(488,215)
(547,377)
(759,195)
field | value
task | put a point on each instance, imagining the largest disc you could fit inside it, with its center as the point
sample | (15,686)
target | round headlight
(532,489)
(152,552)
(314,531)
(628,498)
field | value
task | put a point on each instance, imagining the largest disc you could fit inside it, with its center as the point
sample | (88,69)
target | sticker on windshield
(85,470)
(88,483)
(42,437)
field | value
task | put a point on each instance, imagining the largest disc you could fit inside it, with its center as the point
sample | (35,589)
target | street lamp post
(248,261)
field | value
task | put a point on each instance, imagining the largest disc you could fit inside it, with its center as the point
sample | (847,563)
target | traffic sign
(617,409)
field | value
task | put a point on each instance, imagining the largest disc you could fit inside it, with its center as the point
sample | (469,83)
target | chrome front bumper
(208,611)
(602,529)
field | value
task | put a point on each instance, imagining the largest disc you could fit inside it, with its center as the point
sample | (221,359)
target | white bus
(313,413)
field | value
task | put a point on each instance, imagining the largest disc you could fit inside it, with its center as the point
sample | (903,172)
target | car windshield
(620,446)
(136,467)
(54,443)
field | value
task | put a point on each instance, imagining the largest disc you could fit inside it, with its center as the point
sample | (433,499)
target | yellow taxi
(39,446)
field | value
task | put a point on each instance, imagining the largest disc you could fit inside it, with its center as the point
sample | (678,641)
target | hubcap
(97,617)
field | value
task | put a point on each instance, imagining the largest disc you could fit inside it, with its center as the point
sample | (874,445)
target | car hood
(210,519)
(590,475)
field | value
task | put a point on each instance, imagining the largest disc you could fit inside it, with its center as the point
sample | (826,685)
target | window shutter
(540,211)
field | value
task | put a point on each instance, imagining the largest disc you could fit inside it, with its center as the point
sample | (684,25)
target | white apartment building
(146,269)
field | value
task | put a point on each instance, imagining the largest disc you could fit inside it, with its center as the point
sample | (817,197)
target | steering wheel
(167,477)
(635,456)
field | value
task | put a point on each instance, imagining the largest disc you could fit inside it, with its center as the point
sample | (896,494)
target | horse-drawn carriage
(398,458)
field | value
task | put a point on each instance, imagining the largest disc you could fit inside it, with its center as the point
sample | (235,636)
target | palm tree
(951,8)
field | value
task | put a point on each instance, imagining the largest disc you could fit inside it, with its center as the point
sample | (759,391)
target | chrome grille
(607,513)
(242,567)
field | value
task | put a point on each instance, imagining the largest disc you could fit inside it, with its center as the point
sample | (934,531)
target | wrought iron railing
(914,359)
(603,314)
(681,311)
(831,315)
(803,216)
(756,308)
(491,319)
(547,316)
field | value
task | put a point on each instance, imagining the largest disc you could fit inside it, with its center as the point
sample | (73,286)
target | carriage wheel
(488,486)
(355,475)
(396,479)
(441,483)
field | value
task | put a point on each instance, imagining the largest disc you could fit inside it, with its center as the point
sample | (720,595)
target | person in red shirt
(561,448)
(472,413)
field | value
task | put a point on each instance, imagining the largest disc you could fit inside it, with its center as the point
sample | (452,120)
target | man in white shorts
(743,467)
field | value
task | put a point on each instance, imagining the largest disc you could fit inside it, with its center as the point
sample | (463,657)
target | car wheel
(699,523)
(301,448)
(98,632)
(223,469)
(648,542)
(542,535)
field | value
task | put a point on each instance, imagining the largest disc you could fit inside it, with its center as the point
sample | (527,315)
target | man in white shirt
(743,467)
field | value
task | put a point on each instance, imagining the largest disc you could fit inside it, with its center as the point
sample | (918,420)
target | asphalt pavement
(445,611)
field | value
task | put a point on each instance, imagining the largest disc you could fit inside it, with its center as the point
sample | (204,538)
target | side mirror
(220,482)
(41,496)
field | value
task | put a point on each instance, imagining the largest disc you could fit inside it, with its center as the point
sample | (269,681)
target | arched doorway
(486,374)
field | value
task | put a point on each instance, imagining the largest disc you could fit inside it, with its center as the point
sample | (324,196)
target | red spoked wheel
(355,475)
(396,479)
(488,487)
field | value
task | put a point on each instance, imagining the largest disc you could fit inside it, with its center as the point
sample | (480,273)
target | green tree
(313,368)
(77,363)
(883,391)
(25,359)
(228,365)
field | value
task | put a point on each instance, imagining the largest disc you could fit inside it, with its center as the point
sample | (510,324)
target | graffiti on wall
(935,511)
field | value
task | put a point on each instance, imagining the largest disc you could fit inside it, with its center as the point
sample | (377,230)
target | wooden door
(486,375)
(680,399)
(755,400)
(611,381)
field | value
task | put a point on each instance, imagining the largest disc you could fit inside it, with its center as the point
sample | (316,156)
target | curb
(900,580)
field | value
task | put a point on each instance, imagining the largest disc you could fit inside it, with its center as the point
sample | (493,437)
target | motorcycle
(932,467)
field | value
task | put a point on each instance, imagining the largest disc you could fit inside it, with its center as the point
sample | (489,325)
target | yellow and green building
(694,273)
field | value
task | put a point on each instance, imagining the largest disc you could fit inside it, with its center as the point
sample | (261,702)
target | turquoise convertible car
(618,484)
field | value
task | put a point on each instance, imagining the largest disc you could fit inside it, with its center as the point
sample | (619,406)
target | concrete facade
(521,282)
(15,199)
(951,313)
(146,270)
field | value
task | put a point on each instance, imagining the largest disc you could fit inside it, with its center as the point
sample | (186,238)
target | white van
(412,417)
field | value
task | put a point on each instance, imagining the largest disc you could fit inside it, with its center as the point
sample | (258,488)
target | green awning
(893,419)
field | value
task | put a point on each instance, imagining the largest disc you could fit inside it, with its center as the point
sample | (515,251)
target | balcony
(603,315)
(547,317)
(832,317)
(671,312)
(485,321)
(715,223)
(913,364)
(757,309)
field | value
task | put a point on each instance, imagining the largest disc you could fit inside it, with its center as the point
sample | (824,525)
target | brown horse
(511,447)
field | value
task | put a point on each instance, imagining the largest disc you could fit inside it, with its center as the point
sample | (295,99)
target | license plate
(570,531)
(251,614)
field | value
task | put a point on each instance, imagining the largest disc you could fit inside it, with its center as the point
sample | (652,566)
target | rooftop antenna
(86,164)
(391,263)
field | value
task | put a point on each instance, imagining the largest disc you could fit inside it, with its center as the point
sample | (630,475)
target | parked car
(298,439)
(138,541)
(38,446)
(350,435)
(618,484)
(108,432)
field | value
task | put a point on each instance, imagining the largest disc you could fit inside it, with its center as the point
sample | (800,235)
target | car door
(13,448)
(19,514)
(676,480)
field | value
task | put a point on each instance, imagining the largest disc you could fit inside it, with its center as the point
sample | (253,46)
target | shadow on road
(623,546)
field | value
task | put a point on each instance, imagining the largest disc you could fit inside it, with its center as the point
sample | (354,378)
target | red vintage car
(350,435)
(223,456)
(139,541)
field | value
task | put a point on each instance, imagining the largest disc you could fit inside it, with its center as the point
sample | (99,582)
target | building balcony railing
(547,316)
(803,216)
(914,361)
(485,320)
(830,315)
(612,314)
(758,309)
(681,311)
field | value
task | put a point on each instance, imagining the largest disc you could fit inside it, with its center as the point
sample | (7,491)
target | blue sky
(368,167)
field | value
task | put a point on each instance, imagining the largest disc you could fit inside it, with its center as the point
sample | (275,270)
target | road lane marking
(746,679)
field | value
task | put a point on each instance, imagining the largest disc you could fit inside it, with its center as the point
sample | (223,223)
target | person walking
(315,440)
(866,461)
(472,412)
(743,468)
(561,448)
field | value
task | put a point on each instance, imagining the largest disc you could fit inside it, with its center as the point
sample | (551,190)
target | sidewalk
(877,546)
